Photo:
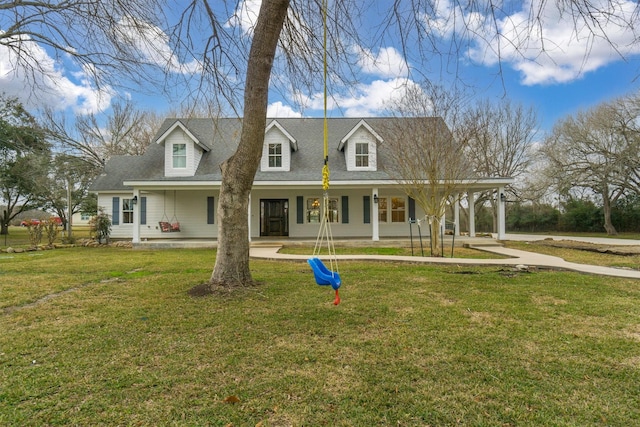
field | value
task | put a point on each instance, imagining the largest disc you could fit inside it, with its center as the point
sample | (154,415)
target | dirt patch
(220,289)
(591,247)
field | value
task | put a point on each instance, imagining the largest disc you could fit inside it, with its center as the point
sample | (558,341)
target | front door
(274,217)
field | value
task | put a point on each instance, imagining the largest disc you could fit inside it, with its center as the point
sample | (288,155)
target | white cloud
(278,109)
(387,63)
(153,45)
(364,100)
(41,82)
(557,49)
(246,15)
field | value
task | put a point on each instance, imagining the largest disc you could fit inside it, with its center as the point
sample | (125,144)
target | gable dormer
(277,148)
(361,147)
(182,150)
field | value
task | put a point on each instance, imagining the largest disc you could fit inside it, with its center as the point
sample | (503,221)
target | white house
(177,181)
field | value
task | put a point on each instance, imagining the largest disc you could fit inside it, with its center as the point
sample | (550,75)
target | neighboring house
(178,181)
(80,218)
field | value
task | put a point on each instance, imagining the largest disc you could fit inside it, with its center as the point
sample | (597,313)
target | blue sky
(557,83)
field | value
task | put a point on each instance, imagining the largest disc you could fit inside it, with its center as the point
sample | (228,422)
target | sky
(558,69)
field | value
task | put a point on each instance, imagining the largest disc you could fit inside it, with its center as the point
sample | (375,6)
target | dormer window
(179,156)
(362,155)
(275,155)
(276,149)
(360,146)
(182,150)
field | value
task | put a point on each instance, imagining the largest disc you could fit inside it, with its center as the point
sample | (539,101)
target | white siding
(190,212)
(275,136)
(362,135)
(194,154)
(119,231)
(356,228)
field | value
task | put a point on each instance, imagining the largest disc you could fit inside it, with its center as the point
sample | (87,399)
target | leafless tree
(501,135)
(104,37)
(597,150)
(125,130)
(426,153)
(626,122)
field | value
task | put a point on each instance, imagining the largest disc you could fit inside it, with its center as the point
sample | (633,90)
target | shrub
(101,226)
(52,229)
(35,233)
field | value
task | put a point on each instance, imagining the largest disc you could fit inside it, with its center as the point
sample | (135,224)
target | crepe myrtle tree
(231,55)
(426,151)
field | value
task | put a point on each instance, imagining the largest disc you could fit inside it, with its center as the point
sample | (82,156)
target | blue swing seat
(323,275)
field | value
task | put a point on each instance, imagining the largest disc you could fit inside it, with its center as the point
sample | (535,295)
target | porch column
(502,198)
(456,215)
(374,214)
(136,217)
(249,215)
(471,198)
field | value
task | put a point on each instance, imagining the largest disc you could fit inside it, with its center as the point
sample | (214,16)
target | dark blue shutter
(143,210)
(412,208)
(300,209)
(210,210)
(345,209)
(115,211)
(366,209)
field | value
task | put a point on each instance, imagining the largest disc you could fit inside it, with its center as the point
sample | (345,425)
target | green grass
(409,344)
(579,256)
(18,237)
(459,252)
(623,235)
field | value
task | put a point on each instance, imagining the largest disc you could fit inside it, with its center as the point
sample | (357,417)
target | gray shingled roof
(222,136)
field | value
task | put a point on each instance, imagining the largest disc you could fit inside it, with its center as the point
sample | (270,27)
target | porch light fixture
(134,200)
(375,199)
(503,198)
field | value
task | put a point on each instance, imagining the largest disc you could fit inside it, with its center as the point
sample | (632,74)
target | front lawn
(18,237)
(458,251)
(110,336)
(577,255)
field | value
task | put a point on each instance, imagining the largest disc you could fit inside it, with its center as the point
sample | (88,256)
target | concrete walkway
(516,257)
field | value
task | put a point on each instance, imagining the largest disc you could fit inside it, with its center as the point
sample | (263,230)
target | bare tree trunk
(4,224)
(606,207)
(434,229)
(238,172)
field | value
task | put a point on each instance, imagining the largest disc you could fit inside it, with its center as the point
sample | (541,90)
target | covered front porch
(373,211)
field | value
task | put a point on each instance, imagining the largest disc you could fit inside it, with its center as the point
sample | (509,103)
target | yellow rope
(325,168)
(325,220)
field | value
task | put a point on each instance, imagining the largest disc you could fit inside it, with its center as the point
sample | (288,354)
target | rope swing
(323,275)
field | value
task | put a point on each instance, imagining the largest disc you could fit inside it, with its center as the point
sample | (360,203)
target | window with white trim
(127,211)
(179,156)
(314,210)
(392,209)
(362,154)
(275,155)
